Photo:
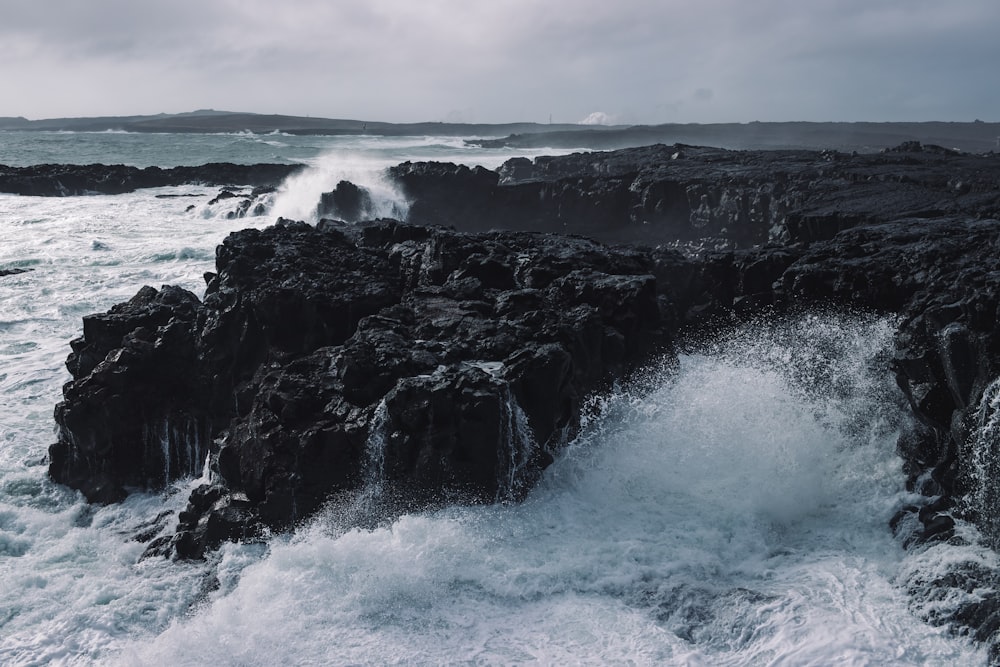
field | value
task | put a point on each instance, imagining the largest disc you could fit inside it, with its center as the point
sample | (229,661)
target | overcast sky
(629,61)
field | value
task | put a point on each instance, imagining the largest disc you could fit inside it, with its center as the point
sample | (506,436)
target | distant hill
(211,121)
(7,122)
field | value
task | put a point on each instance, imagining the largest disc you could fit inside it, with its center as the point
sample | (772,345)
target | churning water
(731,510)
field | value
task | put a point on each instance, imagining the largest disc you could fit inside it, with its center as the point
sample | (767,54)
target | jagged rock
(222,196)
(133,415)
(347,201)
(650,195)
(479,349)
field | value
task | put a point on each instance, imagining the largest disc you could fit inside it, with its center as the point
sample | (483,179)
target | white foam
(985,460)
(73,587)
(299,196)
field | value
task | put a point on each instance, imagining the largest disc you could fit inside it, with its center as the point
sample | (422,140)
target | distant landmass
(974,137)
(212,121)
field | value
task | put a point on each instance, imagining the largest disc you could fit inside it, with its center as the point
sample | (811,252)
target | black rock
(133,416)
(347,202)
(61,180)
(662,194)
(473,353)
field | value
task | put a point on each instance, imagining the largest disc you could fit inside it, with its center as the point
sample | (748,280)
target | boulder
(347,202)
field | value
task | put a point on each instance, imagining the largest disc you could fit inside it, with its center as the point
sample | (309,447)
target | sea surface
(732,510)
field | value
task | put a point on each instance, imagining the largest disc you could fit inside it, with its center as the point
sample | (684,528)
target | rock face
(130,423)
(464,360)
(662,194)
(62,180)
(346,202)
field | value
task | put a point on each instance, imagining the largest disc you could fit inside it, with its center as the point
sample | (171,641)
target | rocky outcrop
(306,333)
(62,180)
(662,194)
(133,416)
(439,365)
(466,358)
(309,340)
(346,202)
(911,231)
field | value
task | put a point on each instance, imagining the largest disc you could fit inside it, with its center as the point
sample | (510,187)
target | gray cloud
(635,60)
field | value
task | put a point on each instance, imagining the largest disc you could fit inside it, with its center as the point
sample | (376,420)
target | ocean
(733,510)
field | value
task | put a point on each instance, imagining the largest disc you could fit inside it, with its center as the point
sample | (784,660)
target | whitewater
(731,509)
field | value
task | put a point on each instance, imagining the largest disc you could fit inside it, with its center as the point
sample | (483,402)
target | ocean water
(730,511)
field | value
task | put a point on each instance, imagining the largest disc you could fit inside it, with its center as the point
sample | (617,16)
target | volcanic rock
(347,202)
(477,350)
(63,180)
(662,194)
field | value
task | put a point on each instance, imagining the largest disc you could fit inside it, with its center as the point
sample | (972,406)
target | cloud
(644,60)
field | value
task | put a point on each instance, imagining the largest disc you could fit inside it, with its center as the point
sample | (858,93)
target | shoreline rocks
(478,349)
(65,180)
(734,199)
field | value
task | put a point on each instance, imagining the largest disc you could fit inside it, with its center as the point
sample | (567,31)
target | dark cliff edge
(663,194)
(439,364)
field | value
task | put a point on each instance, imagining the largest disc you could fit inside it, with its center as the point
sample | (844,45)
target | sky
(612,61)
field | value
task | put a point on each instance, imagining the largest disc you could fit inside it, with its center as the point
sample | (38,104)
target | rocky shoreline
(451,364)
(66,180)
(737,199)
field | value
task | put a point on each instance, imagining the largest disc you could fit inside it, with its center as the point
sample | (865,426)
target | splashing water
(985,462)
(518,450)
(734,515)
(299,196)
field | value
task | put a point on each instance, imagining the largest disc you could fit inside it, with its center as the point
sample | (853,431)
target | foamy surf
(736,514)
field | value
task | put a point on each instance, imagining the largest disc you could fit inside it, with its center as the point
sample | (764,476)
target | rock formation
(452,365)
(479,350)
(662,194)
